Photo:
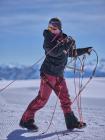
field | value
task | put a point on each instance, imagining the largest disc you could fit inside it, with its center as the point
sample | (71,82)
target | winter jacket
(56,59)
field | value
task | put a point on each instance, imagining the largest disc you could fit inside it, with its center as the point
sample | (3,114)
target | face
(53,29)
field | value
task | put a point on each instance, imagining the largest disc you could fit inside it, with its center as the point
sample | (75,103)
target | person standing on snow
(52,76)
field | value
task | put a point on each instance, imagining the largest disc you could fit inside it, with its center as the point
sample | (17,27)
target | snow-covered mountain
(12,72)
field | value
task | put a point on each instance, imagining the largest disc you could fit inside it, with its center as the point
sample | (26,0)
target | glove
(89,49)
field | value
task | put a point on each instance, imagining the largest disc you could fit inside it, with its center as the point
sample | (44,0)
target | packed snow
(14,100)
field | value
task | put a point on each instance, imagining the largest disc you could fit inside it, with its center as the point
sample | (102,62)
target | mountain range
(20,72)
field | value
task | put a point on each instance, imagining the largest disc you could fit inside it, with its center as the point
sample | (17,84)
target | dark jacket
(56,59)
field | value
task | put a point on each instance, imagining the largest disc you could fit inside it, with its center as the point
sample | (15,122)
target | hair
(56,22)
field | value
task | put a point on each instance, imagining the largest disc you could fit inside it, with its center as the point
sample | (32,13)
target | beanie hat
(56,22)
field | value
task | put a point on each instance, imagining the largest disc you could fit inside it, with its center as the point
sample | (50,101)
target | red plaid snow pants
(60,87)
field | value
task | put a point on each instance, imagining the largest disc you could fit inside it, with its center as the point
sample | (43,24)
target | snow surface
(14,100)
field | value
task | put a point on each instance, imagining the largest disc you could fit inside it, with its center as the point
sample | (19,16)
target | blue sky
(22,23)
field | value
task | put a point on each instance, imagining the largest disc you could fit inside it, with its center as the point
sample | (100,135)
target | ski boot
(72,122)
(29,125)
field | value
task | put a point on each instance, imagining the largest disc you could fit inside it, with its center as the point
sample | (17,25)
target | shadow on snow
(17,134)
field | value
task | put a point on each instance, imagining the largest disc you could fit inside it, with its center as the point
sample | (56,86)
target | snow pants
(60,88)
